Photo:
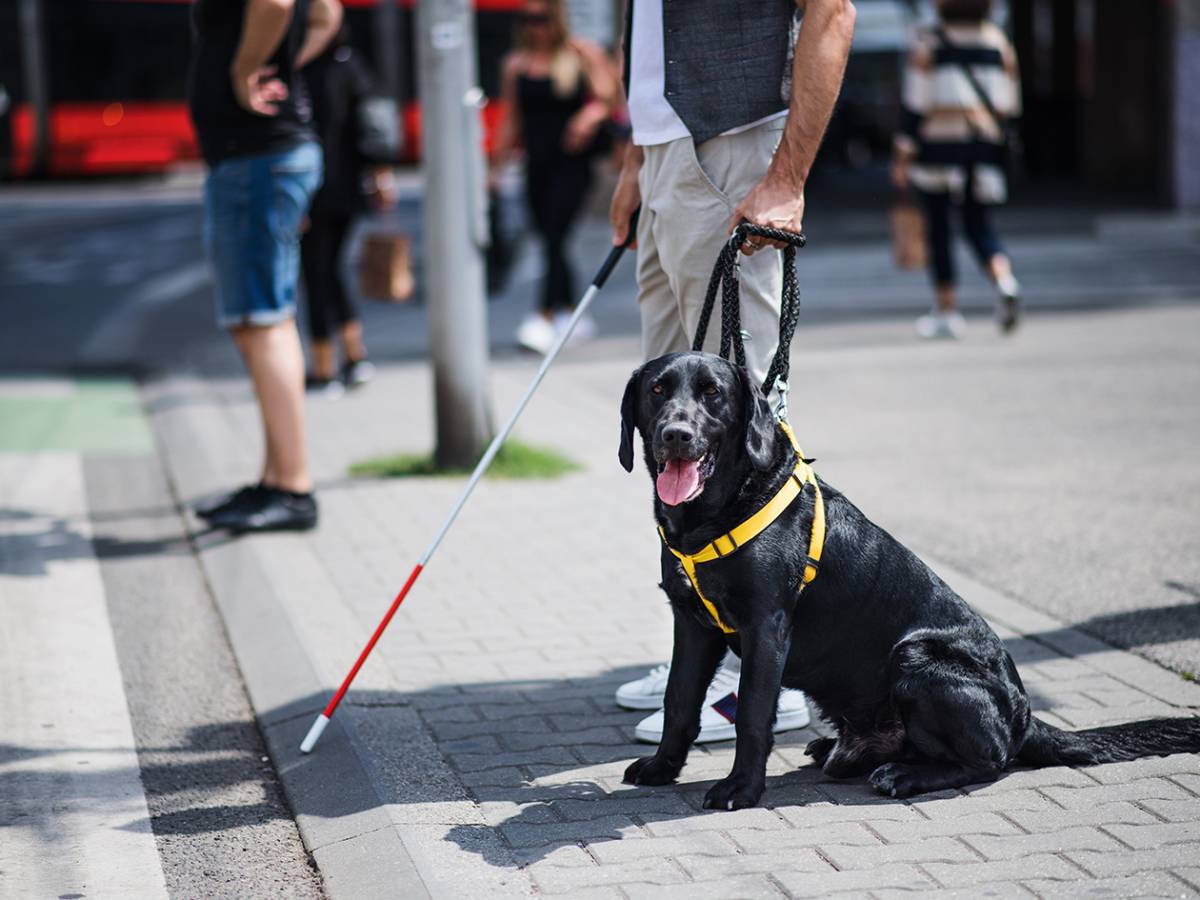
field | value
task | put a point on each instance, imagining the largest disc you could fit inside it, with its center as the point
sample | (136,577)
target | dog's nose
(677,435)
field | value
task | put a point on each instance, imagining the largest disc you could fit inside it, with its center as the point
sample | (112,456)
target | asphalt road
(113,276)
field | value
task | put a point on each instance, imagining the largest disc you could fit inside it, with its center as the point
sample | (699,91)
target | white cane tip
(314,733)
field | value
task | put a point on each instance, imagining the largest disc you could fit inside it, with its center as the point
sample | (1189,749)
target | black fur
(923,694)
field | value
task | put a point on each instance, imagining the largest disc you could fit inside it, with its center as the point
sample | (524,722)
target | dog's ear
(761,429)
(629,413)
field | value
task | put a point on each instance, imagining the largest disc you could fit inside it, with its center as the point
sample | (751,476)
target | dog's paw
(733,793)
(820,749)
(894,780)
(651,770)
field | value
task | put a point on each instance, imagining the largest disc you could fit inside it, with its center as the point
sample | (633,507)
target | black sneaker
(329,388)
(1008,306)
(239,498)
(357,372)
(273,510)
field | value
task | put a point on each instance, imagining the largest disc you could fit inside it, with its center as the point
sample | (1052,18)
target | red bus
(114,76)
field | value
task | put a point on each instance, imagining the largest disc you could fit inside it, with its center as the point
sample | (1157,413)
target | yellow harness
(754,526)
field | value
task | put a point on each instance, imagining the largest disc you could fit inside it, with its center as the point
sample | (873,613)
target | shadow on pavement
(28,554)
(544,758)
(1124,630)
(182,779)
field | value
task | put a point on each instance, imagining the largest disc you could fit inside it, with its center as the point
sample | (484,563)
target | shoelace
(657,672)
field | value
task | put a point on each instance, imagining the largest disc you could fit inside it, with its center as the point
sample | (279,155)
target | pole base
(314,733)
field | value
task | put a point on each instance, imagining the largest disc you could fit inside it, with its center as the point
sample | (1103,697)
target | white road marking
(73,814)
(119,333)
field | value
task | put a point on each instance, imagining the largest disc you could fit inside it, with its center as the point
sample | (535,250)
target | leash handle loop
(726,277)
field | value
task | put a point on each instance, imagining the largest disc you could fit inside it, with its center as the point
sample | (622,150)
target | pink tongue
(678,481)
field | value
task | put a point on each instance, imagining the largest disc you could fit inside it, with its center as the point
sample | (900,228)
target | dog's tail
(1046,745)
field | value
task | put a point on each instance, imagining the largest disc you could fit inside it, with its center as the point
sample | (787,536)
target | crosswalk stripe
(74,814)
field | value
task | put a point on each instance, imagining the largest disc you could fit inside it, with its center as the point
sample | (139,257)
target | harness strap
(802,475)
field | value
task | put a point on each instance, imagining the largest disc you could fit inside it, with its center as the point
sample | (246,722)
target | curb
(341,815)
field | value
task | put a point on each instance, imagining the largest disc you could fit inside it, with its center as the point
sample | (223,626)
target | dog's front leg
(765,645)
(698,651)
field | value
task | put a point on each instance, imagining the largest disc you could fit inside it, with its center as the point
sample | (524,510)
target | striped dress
(945,129)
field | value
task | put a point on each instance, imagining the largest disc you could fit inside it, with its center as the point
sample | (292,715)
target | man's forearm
(263,28)
(820,62)
(324,20)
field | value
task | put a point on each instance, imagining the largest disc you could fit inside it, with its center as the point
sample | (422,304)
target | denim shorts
(253,209)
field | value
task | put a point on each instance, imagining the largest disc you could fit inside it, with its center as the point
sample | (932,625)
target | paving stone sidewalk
(484,725)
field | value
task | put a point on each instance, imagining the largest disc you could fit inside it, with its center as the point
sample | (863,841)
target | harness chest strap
(745,532)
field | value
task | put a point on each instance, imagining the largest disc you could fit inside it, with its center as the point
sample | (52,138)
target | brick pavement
(542,601)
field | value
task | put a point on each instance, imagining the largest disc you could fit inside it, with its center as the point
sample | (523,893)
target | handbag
(1010,141)
(385,267)
(909,248)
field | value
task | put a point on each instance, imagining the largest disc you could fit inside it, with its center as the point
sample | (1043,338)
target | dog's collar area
(802,476)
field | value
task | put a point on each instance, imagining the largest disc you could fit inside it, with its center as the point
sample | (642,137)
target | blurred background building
(96,87)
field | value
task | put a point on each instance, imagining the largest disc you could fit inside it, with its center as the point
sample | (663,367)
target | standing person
(252,119)
(721,134)
(960,88)
(558,92)
(339,83)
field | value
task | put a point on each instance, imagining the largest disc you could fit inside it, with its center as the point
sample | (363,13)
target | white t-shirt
(653,119)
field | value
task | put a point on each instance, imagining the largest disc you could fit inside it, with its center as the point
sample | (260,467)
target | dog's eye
(657,389)
(711,391)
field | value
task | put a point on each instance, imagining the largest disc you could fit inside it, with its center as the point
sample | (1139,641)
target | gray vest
(728,62)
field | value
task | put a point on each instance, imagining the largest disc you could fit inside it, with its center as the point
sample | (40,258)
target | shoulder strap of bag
(988,105)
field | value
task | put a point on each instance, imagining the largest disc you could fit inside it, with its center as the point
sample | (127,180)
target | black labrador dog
(922,693)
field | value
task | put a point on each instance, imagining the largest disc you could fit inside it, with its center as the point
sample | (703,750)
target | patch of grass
(1188,676)
(515,460)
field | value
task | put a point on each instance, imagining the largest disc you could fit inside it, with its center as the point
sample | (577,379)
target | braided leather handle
(792,238)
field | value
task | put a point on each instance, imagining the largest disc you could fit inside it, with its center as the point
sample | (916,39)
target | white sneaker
(585,328)
(645,693)
(938,324)
(719,713)
(536,334)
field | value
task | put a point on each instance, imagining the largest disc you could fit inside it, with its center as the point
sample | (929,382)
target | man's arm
(263,27)
(627,195)
(820,62)
(324,20)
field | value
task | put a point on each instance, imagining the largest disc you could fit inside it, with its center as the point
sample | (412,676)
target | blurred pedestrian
(727,116)
(961,89)
(558,94)
(340,85)
(252,119)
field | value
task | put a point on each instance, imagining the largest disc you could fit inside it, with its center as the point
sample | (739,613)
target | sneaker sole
(640,703)
(305,525)
(787,722)
(1010,314)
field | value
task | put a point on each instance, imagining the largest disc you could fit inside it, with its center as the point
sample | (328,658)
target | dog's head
(698,415)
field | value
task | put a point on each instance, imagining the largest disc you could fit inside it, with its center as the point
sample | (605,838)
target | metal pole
(452,154)
(33,65)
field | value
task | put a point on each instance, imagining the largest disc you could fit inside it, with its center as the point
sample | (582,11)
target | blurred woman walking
(558,93)
(961,90)
(339,84)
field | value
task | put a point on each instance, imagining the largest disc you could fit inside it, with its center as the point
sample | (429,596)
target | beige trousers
(688,196)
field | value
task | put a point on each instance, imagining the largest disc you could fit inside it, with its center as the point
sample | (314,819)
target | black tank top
(544,116)
(225,129)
